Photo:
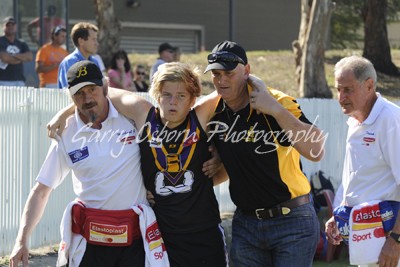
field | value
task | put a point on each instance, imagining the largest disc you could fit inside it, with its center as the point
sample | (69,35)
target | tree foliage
(347,22)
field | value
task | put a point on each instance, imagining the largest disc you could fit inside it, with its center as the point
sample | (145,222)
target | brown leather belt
(281,209)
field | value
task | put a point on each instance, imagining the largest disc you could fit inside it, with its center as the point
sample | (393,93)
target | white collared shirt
(371,168)
(105,163)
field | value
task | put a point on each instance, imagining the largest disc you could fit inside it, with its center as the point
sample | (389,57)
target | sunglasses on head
(58,29)
(225,57)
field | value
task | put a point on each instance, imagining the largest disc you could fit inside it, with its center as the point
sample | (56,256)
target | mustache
(89,105)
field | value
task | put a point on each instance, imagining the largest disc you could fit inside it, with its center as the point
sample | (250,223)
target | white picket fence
(24,143)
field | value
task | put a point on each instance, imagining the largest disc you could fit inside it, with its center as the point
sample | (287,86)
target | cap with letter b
(83,73)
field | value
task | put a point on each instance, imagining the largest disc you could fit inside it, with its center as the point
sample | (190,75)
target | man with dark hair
(166,54)
(13,53)
(49,56)
(84,37)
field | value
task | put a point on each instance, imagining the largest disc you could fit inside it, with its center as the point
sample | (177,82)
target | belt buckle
(257,214)
(285,210)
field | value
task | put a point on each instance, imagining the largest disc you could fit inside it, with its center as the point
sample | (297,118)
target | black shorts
(204,248)
(99,256)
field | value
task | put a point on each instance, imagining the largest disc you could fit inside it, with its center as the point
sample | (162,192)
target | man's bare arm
(33,211)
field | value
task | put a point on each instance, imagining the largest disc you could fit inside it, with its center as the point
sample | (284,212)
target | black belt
(281,209)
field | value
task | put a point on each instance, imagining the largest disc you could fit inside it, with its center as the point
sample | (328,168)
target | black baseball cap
(164,46)
(9,19)
(83,73)
(226,56)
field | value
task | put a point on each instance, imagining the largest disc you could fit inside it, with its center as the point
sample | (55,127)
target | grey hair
(361,67)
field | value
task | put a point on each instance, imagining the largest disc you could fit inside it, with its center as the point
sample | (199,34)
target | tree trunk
(310,49)
(109,30)
(376,43)
(298,45)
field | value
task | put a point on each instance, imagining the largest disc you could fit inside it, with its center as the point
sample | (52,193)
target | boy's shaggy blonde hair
(176,72)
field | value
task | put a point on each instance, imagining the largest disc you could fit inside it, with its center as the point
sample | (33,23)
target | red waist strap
(106,227)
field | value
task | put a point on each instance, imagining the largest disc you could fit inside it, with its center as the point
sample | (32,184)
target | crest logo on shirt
(369,138)
(79,154)
(155,142)
(128,140)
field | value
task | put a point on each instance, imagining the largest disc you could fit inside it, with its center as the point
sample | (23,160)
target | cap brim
(77,87)
(221,66)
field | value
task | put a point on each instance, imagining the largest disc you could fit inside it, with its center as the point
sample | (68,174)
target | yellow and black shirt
(263,166)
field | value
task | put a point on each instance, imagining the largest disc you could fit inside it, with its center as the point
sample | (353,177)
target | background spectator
(13,52)
(120,75)
(166,54)
(101,65)
(49,57)
(84,37)
(139,76)
(50,21)
(177,54)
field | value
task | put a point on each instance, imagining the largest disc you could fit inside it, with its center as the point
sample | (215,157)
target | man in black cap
(106,177)
(260,134)
(13,52)
(166,54)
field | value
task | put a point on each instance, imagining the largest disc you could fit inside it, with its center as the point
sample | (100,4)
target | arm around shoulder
(205,107)
(130,104)
(57,124)
(221,176)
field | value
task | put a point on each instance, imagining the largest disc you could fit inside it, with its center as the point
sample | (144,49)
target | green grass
(277,69)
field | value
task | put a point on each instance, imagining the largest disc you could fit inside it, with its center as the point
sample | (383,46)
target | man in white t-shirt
(371,169)
(98,146)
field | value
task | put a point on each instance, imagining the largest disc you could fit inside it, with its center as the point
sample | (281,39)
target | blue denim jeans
(284,241)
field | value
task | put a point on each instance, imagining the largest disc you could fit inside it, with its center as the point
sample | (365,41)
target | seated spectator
(139,76)
(120,75)
(49,57)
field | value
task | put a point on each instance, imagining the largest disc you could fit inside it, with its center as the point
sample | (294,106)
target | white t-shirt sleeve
(55,167)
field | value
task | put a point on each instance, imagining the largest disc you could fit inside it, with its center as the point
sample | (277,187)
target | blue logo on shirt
(79,154)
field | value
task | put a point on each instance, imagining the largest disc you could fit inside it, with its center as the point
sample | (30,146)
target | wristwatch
(395,236)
